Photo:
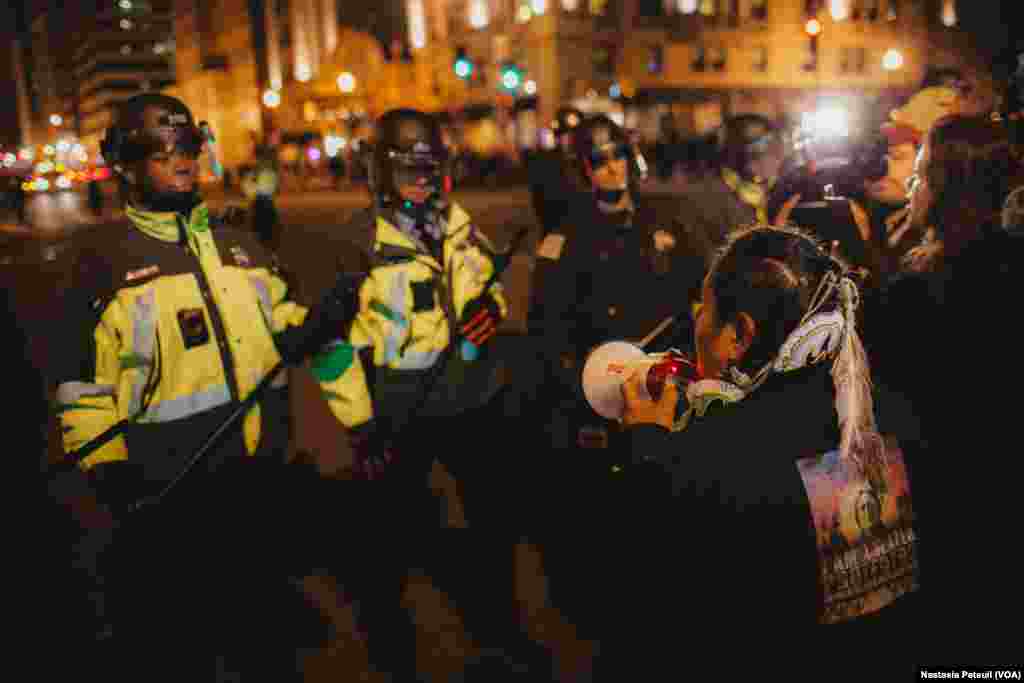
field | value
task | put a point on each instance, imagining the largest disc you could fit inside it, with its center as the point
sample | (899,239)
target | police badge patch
(240,256)
(551,247)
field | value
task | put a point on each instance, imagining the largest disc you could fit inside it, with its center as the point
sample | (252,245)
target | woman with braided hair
(779,505)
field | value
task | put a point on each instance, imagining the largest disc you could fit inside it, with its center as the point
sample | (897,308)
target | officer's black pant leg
(391,532)
(478,571)
(165,629)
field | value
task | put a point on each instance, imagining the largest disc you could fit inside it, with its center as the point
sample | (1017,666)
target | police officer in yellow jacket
(173,321)
(428,288)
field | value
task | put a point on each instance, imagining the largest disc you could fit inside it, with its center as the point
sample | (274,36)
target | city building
(117,48)
(696,60)
(300,69)
(73,61)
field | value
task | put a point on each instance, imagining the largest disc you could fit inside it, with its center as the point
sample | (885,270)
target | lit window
(598,7)
(126,24)
(699,59)
(761,58)
(524,13)
(417,24)
(708,7)
(655,59)
(126,49)
(949,13)
(125,4)
(839,9)
(570,5)
(159,48)
(687,6)
(539,6)
(478,17)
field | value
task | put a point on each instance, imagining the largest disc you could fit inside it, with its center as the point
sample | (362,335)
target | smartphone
(831,220)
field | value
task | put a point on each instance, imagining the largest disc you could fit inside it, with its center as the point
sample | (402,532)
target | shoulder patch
(240,256)
(663,240)
(551,247)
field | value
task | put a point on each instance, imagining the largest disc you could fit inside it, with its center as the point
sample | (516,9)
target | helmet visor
(415,168)
(141,143)
(605,154)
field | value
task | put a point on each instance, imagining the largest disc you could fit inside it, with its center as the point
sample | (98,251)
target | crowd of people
(836,459)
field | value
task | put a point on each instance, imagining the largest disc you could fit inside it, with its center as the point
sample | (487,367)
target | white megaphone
(606,369)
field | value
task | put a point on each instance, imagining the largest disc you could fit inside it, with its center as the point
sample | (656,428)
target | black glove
(480,320)
(372,452)
(330,319)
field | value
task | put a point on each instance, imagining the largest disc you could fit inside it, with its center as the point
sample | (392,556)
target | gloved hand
(480,320)
(329,319)
(372,453)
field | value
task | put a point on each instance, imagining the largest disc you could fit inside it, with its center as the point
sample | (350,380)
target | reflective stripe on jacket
(170,325)
(408,307)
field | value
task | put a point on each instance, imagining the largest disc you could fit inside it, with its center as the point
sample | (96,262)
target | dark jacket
(946,341)
(708,211)
(172,343)
(609,281)
(721,524)
(551,191)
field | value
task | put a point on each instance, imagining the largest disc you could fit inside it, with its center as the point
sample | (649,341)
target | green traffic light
(463,68)
(511,78)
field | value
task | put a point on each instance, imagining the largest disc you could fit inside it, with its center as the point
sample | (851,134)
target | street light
(812,27)
(892,60)
(271,98)
(840,9)
(56,119)
(346,82)
(478,13)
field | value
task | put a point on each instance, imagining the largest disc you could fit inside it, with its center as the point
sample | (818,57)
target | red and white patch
(141,273)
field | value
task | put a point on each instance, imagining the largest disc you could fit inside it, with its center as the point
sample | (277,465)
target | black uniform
(551,191)
(601,277)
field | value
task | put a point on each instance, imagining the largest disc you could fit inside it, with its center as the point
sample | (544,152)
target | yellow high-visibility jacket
(409,306)
(171,325)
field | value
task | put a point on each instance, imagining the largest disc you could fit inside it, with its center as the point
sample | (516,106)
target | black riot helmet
(744,138)
(149,123)
(567,119)
(409,149)
(599,140)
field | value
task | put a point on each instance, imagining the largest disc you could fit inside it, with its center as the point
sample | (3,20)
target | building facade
(117,49)
(257,68)
(700,59)
(75,60)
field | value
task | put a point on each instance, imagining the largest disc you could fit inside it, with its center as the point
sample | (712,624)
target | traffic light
(463,66)
(511,77)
